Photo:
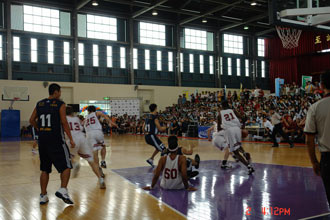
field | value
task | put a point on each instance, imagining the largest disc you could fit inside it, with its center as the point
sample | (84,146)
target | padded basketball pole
(9,40)
(131,67)
(254,61)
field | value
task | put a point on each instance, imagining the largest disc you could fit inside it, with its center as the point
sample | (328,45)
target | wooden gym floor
(19,182)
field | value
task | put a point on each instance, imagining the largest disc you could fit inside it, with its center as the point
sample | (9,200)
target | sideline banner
(202,131)
(304,80)
(278,84)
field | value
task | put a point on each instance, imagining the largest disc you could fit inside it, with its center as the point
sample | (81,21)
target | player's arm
(183,170)
(238,115)
(65,124)
(157,172)
(159,127)
(209,132)
(311,151)
(33,119)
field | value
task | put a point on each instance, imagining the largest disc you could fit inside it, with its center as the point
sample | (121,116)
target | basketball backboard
(302,14)
(15,93)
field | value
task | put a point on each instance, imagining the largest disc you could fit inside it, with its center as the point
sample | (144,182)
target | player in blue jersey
(49,118)
(151,128)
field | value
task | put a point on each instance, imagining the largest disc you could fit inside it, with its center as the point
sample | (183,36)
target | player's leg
(224,164)
(275,130)
(159,146)
(190,172)
(103,154)
(60,156)
(286,137)
(45,168)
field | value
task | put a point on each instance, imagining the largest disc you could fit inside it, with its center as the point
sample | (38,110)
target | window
(233,44)
(95,55)
(99,27)
(201,64)
(170,61)
(221,66)
(66,53)
(42,20)
(109,56)
(152,34)
(229,67)
(123,57)
(247,67)
(147,59)
(34,50)
(238,67)
(50,50)
(81,52)
(195,39)
(181,63)
(1,55)
(135,59)
(211,65)
(263,71)
(261,47)
(16,48)
(159,60)
(191,63)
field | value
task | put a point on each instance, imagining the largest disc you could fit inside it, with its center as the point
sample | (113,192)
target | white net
(289,36)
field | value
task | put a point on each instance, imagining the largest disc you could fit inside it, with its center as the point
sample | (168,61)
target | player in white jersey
(232,130)
(173,168)
(82,149)
(95,135)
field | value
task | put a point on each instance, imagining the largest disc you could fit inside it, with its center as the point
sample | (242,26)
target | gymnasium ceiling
(224,15)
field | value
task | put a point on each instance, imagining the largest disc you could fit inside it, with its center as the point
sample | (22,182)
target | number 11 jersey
(49,121)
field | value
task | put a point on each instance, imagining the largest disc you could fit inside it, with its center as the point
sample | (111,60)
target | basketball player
(190,162)
(218,140)
(174,169)
(151,127)
(49,119)
(82,148)
(95,135)
(232,132)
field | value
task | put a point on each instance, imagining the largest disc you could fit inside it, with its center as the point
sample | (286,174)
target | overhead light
(95,3)
(253,3)
(204,20)
(154,13)
(246,27)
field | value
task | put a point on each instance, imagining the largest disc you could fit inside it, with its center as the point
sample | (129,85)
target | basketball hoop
(289,36)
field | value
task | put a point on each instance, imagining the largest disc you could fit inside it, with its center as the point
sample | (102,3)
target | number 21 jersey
(49,121)
(229,119)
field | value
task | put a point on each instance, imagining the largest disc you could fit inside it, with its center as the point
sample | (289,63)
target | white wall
(163,95)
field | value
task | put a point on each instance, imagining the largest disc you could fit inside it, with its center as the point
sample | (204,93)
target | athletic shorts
(95,139)
(54,152)
(234,138)
(82,148)
(153,140)
(34,134)
(219,140)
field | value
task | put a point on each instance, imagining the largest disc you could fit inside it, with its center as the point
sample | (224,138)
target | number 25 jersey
(229,119)
(92,122)
(49,120)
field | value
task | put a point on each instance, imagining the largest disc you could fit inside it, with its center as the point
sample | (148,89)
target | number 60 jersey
(49,121)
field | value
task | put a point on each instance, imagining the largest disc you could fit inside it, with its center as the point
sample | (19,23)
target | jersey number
(147,127)
(227,117)
(170,174)
(45,118)
(76,126)
(90,121)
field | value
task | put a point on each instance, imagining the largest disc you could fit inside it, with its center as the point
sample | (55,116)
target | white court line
(154,197)
(315,216)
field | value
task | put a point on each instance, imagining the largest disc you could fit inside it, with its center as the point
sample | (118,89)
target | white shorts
(82,148)
(234,138)
(95,139)
(219,140)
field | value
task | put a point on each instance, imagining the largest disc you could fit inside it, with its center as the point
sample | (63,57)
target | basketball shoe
(103,164)
(102,183)
(43,199)
(63,194)
(151,162)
